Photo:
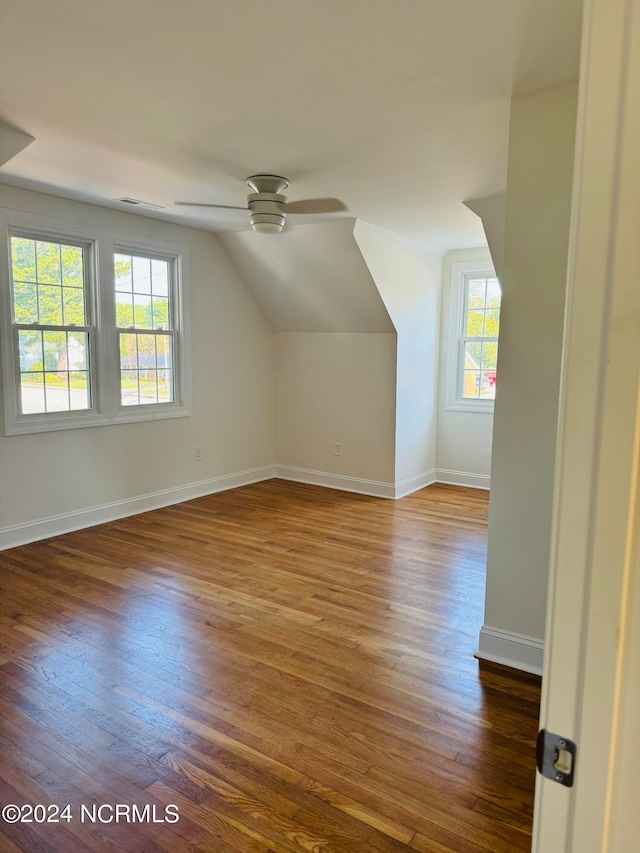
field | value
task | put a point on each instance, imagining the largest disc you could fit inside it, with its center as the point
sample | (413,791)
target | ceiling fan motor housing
(265,204)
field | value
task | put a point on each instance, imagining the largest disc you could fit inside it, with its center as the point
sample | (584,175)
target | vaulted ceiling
(397,107)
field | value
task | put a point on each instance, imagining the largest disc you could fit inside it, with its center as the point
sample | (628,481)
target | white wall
(541,149)
(463,438)
(310,279)
(335,348)
(492,210)
(336,387)
(49,474)
(408,278)
(373,392)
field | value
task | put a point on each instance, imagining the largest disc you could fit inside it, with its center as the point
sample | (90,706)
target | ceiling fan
(267,206)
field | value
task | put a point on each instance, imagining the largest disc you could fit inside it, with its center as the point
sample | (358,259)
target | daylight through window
(93,325)
(479,339)
(50,311)
(143,318)
(472,310)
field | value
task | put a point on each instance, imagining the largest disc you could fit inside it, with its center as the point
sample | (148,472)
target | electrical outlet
(337,449)
(197,454)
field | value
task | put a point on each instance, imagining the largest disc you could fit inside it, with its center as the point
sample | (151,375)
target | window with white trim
(474,330)
(53,324)
(92,324)
(146,330)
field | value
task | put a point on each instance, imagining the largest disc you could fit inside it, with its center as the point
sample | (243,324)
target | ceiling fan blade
(315,205)
(202,204)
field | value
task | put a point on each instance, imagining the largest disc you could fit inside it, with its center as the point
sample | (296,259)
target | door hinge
(556,757)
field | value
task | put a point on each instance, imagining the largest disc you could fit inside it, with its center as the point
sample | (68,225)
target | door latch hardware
(556,757)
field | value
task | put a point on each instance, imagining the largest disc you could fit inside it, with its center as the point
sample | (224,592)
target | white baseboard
(336,481)
(374,488)
(463,478)
(55,525)
(514,650)
(414,484)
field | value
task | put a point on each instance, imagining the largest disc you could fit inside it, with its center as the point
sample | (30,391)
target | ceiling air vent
(135,202)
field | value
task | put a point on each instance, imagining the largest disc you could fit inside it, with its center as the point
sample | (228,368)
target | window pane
(471,377)
(79,389)
(160,312)
(488,385)
(476,292)
(30,351)
(494,294)
(50,303)
(141,275)
(142,309)
(32,393)
(123,269)
(129,387)
(48,283)
(124,310)
(25,303)
(472,356)
(489,356)
(57,391)
(72,266)
(147,279)
(492,323)
(471,382)
(146,351)
(55,350)
(66,382)
(128,352)
(160,277)
(23,259)
(165,386)
(148,386)
(475,324)
(164,357)
(78,351)
(48,263)
(146,364)
(73,305)
(163,350)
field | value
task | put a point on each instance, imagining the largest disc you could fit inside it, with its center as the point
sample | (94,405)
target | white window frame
(102,243)
(460,273)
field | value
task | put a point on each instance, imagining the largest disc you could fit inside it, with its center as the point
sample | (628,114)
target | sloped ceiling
(399,108)
(492,211)
(310,279)
(12,142)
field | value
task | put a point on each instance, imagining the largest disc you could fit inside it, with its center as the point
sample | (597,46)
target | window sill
(480,407)
(53,424)
(133,414)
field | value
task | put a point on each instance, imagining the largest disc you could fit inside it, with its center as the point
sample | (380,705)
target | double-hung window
(146,328)
(54,325)
(93,326)
(475,302)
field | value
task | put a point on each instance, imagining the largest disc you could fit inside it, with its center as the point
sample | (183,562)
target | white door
(591,688)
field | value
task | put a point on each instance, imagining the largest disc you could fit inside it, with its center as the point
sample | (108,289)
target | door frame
(594,550)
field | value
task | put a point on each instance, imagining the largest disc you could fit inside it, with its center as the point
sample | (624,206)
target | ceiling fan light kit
(267,206)
(266,202)
(266,211)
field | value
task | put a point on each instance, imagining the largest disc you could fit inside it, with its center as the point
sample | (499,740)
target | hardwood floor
(288,665)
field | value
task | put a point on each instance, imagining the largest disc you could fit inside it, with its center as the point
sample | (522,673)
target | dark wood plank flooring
(290,666)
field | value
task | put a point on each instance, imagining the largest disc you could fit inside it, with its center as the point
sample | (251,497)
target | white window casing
(461,273)
(99,246)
